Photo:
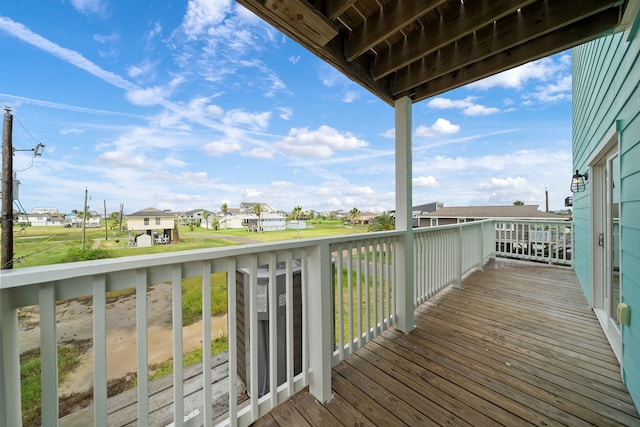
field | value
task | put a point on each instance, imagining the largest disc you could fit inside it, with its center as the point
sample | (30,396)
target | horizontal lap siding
(606,93)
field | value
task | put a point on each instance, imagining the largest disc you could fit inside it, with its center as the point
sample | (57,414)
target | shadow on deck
(518,346)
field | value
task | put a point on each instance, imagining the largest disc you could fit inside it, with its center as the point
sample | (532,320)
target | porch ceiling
(420,48)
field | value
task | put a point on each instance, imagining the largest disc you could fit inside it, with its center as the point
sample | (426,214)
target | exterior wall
(606,94)
(137,223)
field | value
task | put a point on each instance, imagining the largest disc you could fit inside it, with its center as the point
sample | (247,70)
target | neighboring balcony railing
(295,309)
(541,241)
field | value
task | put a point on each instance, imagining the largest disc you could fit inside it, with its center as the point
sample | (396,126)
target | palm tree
(257,209)
(382,222)
(225,210)
(354,215)
(206,219)
(296,213)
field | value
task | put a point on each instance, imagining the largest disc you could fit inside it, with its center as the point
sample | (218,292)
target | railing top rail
(532,221)
(450,226)
(50,273)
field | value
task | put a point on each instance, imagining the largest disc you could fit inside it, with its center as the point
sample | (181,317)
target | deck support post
(10,406)
(320,307)
(404,277)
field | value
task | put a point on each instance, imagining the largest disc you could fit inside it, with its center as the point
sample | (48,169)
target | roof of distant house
(509,211)
(151,212)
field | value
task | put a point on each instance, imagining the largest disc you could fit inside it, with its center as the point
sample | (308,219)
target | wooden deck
(518,346)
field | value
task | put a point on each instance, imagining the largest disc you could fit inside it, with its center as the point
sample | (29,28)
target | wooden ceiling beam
(577,33)
(390,19)
(295,17)
(450,28)
(335,8)
(534,21)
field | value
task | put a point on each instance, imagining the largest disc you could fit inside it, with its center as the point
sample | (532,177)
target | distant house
(454,215)
(50,217)
(161,226)
(196,217)
(268,220)
(420,210)
(231,219)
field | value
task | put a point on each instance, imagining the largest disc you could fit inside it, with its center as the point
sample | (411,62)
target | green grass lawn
(35,246)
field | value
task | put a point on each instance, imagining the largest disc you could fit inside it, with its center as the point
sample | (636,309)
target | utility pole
(106,236)
(84,217)
(546,198)
(6,262)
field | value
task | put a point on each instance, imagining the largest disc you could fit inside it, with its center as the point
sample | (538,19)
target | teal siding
(606,92)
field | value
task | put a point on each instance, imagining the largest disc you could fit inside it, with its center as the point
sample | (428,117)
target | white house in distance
(150,226)
(50,217)
(268,220)
(201,217)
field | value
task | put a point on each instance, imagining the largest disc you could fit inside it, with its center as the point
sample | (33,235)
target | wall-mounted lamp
(578,182)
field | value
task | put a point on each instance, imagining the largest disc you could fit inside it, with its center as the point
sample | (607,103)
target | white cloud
(294,59)
(439,127)
(123,159)
(322,142)
(148,96)
(260,153)
(425,181)
(203,14)
(195,176)
(172,161)
(552,92)
(285,113)
(515,78)
(466,105)
(503,183)
(361,191)
(70,131)
(218,148)
(255,121)
(390,133)
(350,96)
(97,7)
(143,68)
(251,193)
(25,34)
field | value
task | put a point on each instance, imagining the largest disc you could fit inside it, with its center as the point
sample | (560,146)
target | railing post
(10,407)
(458,259)
(320,326)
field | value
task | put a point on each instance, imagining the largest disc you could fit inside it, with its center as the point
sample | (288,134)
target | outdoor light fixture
(578,182)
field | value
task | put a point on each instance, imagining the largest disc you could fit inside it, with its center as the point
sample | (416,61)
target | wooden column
(404,218)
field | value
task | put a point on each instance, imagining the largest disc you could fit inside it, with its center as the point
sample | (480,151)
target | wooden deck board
(518,345)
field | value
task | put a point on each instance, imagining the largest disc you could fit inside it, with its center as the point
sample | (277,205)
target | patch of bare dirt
(75,324)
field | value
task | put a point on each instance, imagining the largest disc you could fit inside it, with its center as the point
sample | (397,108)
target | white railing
(443,255)
(541,241)
(364,290)
(341,291)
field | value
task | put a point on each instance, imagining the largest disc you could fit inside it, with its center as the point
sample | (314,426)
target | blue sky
(191,104)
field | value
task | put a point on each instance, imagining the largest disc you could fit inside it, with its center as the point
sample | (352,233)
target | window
(146,221)
(434,222)
(157,221)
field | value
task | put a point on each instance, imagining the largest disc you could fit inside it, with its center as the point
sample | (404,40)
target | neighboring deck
(518,346)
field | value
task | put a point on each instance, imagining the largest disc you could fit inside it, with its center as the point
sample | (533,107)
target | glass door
(605,204)
(612,237)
